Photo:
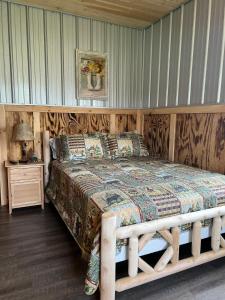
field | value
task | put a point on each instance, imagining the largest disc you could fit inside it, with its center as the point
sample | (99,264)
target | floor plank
(39,260)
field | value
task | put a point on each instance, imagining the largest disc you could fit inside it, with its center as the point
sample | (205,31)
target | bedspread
(136,190)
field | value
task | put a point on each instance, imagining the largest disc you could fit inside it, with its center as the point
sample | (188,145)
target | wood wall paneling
(113,123)
(72,123)
(172,136)
(193,109)
(157,134)
(125,123)
(70,109)
(200,141)
(37,134)
(140,122)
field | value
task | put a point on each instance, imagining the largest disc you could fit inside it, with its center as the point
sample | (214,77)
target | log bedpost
(133,257)
(216,234)
(176,244)
(196,239)
(108,256)
(46,155)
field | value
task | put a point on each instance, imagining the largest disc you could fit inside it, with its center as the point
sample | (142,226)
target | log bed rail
(169,263)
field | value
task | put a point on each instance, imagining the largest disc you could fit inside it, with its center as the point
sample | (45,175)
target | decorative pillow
(72,147)
(83,146)
(126,145)
(96,146)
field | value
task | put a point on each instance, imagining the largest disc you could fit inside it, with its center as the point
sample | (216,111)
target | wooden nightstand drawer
(25,185)
(18,174)
(26,193)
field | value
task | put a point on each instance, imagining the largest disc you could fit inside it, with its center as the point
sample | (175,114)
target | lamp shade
(23,132)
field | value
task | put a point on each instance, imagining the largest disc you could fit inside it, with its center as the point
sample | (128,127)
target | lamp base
(21,161)
(14,162)
(24,159)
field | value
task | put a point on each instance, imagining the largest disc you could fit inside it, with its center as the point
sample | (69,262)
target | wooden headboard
(58,120)
(190,135)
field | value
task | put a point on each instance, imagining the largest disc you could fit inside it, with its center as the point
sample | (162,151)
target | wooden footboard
(169,263)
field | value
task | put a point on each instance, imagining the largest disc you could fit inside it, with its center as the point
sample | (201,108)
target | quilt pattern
(135,189)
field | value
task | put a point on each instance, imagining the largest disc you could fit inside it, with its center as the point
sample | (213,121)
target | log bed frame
(141,234)
(193,135)
(169,263)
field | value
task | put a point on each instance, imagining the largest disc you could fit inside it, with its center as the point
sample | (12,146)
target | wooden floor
(39,260)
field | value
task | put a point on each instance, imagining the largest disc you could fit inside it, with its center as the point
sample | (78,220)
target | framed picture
(92,75)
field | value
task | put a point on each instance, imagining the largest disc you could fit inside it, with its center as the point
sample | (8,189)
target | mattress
(136,190)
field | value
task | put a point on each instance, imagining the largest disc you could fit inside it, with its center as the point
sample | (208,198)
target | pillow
(83,146)
(96,145)
(54,144)
(72,147)
(126,145)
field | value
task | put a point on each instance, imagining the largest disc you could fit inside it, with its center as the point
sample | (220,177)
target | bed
(125,208)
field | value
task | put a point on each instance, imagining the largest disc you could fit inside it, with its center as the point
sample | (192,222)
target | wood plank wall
(200,141)
(191,135)
(157,134)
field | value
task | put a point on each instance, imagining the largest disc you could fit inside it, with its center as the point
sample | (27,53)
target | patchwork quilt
(136,190)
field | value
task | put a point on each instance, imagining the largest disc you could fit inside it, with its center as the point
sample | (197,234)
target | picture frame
(91,75)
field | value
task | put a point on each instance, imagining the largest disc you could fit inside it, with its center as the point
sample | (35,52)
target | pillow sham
(96,145)
(72,147)
(84,146)
(126,145)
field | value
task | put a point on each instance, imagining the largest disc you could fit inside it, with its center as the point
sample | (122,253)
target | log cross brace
(138,235)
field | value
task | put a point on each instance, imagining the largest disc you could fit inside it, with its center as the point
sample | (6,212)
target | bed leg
(108,255)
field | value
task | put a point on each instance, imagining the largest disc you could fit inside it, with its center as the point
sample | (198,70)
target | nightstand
(25,185)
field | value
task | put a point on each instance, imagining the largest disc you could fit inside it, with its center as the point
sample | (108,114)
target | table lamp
(23,133)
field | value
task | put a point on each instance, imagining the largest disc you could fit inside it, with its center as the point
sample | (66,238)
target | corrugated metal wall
(177,61)
(37,57)
(184,59)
